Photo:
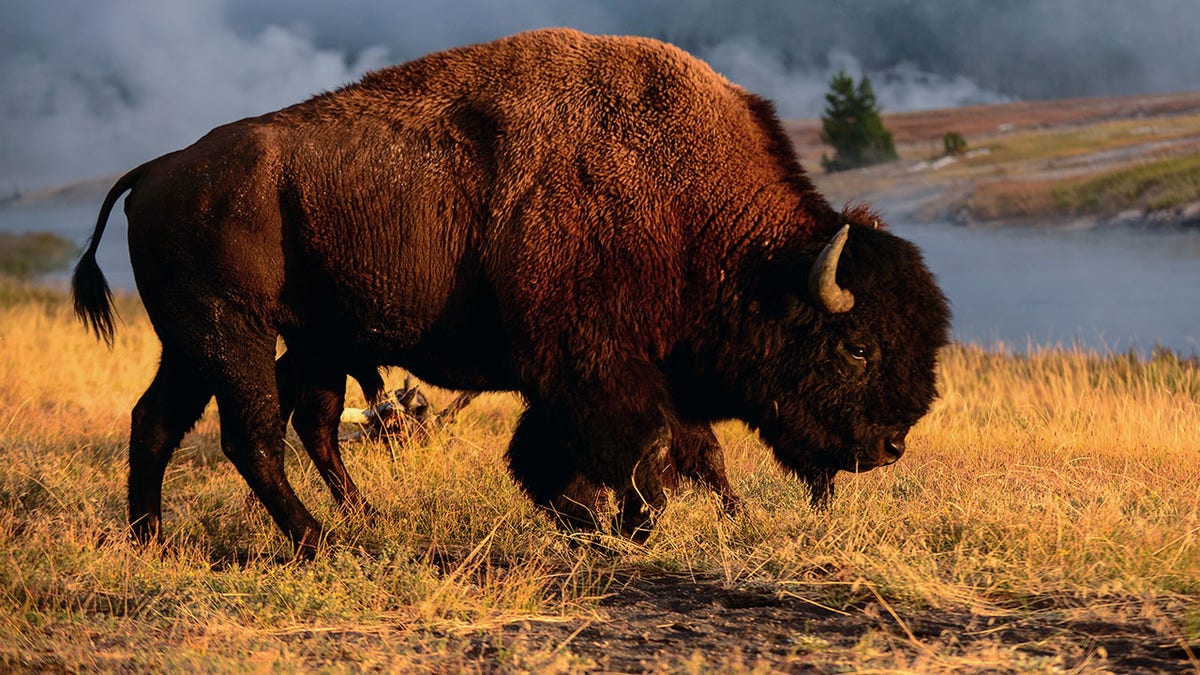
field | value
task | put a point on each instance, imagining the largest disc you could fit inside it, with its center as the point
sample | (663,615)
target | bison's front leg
(541,461)
(563,458)
(621,431)
(696,454)
(646,495)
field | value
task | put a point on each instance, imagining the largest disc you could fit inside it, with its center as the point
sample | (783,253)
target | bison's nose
(894,447)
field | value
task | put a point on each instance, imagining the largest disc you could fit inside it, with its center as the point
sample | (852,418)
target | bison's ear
(782,302)
(786,307)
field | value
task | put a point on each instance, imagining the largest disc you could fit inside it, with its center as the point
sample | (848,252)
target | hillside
(1076,162)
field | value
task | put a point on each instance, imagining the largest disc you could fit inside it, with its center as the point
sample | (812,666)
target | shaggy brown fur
(601,223)
(314,412)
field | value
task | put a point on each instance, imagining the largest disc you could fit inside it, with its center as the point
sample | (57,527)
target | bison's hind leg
(163,415)
(314,396)
(240,361)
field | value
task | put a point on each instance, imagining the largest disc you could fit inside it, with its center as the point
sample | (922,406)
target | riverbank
(1130,161)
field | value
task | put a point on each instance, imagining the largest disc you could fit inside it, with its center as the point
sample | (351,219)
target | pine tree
(852,126)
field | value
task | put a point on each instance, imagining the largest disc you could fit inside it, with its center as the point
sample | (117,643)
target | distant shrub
(954,143)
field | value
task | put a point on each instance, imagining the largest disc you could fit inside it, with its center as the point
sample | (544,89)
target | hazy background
(91,88)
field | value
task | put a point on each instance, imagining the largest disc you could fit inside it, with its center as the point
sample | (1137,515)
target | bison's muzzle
(882,452)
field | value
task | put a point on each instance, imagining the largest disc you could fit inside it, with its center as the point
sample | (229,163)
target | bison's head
(839,358)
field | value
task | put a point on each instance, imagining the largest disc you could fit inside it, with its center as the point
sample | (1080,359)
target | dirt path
(651,622)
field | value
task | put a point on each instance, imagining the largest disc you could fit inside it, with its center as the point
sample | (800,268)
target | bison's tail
(93,297)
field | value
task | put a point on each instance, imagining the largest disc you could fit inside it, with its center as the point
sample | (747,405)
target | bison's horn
(822,281)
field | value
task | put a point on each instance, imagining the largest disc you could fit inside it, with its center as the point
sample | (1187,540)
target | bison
(602,224)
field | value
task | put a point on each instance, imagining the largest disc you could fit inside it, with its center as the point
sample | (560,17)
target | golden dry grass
(1056,489)
(1065,142)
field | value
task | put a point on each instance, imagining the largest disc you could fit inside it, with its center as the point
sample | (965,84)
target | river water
(1107,289)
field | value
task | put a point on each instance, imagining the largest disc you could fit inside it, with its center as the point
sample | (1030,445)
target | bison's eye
(856,355)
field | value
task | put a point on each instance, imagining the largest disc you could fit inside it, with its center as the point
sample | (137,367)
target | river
(1107,289)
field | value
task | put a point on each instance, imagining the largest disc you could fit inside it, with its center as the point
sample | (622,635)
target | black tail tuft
(93,298)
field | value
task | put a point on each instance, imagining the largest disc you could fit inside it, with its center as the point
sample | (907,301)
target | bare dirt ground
(686,623)
(665,619)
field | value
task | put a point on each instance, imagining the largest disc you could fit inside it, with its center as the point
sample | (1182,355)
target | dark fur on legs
(313,398)
(163,415)
(696,454)
(820,486)
(539,457)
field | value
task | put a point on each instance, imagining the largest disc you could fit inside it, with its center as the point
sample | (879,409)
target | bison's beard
(819,481)
(816,475)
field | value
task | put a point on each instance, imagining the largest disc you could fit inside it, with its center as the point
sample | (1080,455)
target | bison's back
(629,113)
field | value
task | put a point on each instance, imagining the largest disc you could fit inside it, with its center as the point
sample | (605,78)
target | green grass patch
(29,254)
(1151,186)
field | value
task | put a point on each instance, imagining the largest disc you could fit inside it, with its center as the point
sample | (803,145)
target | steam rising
(92,88)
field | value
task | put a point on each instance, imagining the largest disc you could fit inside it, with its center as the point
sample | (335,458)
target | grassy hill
(1133,160)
